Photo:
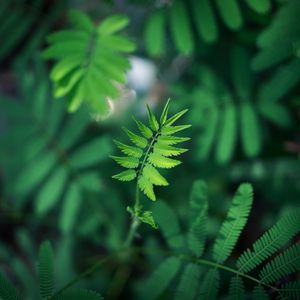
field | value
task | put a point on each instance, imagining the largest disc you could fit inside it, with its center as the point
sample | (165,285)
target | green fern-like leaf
(284,27)
(210,285)
(276,237)
(282,265)
(205,17)
(48,160)
(169,225)
(291,289)
(151,151)
(89,60)
(46,273)
(234,223)
(198,218)
(161,278)
(188,283)
(236,288)
(259,293)
(7,291)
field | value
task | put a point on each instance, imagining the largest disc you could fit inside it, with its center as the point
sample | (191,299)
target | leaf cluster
(89,60)
(188,268)
(151,150)
(46,282)
(203,16)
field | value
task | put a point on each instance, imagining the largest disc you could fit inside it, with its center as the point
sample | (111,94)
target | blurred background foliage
(234,64)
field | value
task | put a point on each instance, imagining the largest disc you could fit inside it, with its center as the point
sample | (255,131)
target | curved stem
(84,274)
(135,219)
(231,270)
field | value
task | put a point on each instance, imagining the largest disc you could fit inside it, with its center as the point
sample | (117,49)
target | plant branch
(231,270)
(84,274)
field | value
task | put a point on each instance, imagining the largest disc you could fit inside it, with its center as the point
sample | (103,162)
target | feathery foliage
(228,116)
(236,288)
(271,241)
(195,263)
(234,223)
(46,270)
(175,15)
(7,291)
(284,264)
(12,34)
(152,150)
(46,282)
(47,164)
(90,61)
(279,44)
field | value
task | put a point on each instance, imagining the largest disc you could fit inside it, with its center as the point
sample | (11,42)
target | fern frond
(129,150)
(153,149)
(259,293)
(161,278)
(89,59)
(198,218)
(210,285)
(126,175)
(291,289)
(7,291)
(236,289)
(282,265)
(154,176)
(169,225)
(46,273)
(234,223)
(276,237)
(188,283)
(126,161)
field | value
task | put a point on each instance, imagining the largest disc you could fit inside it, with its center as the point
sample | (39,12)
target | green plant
(205,21)
(279,45)
(232,113)
(188,265)
(46,282)
(89,61)
(47,165)
(150,151)
(12,12)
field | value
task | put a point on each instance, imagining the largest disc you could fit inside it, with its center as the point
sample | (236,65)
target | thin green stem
(228,269)
(135,218)
(133,228)
(147,152)
(84,274)
(137,197)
